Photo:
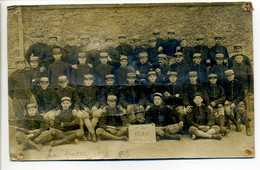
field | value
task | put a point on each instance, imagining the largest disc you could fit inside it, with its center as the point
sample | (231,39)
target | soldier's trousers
(170,129)
(43,138)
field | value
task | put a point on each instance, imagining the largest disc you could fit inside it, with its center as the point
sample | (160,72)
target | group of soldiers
(84,92)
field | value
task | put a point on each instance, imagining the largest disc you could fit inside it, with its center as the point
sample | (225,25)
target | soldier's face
(161,60)
(20,65)
(193,79)
(84,42)
(88,82)
(183,43)
(131,80)
(57,56)
(121,40)
(82,60)
(123,63)
(197,60)
(96,44)
(157,100)
(200,41)
(103,60)
(32,111)
(137,43)
(173,79)
(237,49)
(239,59)
(143,60)
(111,103)
(218,41)
(219,61)
(152,44)
(44,84)
(152,78)
(179,58)
(109,43)
(198,100)
(213,80)
(171,35)
(65,105)
(52,41)
(34,64)
(110,82)
(231,77)
(63,84)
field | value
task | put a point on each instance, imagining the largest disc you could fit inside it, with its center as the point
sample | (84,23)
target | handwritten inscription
(142,133)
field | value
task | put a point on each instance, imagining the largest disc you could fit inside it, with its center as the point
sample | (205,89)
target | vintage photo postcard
(130,81)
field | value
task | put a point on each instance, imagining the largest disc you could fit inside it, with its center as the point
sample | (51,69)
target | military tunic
(201,71)
(89,97)
(71,93)
(203,50)
(57,69)
(162,77)
(143,69)
(69,121)
(216,93)
(234,91)
(108,90)
(182,69)
(220,71)
(215,50)
(46,56)
(46,99)
(169,46)
(112,116)
(101,71)
(187,54)
(121,75)
(244,74)
(69,52)
(77,75)
(35,49)
(189,92)
(174,89)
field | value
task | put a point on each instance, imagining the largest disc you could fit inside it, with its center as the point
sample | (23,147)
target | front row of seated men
(201,116)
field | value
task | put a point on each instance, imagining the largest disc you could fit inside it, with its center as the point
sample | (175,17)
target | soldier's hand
(137,72)
(74,66)
(213,104)
(177,95)
(90,65)
(189,109)
(178,48)
(42,69)
(33,80)
(74,112)
(109,58)
(167,94)
(208,61)
(86,109)
(160,48)
(147,108)
(94,108)
(226,61)
(158,70)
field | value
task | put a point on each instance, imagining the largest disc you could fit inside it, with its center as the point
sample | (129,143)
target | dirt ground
(235,144)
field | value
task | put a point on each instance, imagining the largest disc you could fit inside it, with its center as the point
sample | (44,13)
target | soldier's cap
(123,57)
(44,79)
(34,58)
(218,36)
(199,37)
(136,37)
(131,75)
(171,31)
(196,55)
(110,76)
(84,38)
(82,54)
(122,36)
(108,38)
(143,54)
(103,54)
(65,99)
(152,39)
(31,105)
(19,59)
(156,32)
(62,79)
(162,56)
(219,55)
(213,75)
(172,73)
(178,54)
(158,94)
(151,73)
(238,45)
(70,38)
(198,94)
(55,37)
(88,76)
(40,36)
(111,97)
(193,73)
(56,51)
(229,72)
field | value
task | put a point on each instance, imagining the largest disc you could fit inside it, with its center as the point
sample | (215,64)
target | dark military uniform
(203,50)
(143,69)
(112,116)
(153,55)
(169,46)
(189,93)
(69,52)
(127,50)
(93,57)
(19,87)
(77,75)
(246,60)
(215,50)
(182,69)
(114,55)
(69,121)
(57,69)
(149,90)
(121,75)
(77,51)
(220,71)
(46,99)
(234,91)
(187,54)
(174,89)
(89,97)
(46,56)
(216,93)
(69,92)
(108,90)
(35,49)
(36,74)
(162,78)
(244,74)
(101,71)
(201,70)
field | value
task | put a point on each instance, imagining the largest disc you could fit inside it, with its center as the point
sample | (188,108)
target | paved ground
(233,145)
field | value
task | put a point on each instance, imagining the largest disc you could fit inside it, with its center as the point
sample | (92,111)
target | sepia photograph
(130,81)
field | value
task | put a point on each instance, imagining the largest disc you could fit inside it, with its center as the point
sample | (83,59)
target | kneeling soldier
(32,131)
(67,126)
(201,121)
(164,118)
(110,123)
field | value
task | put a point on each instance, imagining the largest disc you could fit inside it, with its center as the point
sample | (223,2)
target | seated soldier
(162,68)
(110,123)
(217,98)
(132,98)
(89,105)
(201,121)
(67,126)
(121,72)
(142,67)
(199,67)
(234,94)
(33,129)
(164,118)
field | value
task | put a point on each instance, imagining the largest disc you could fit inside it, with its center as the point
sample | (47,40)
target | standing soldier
(69,50)
(159,40)
(137,48)
(94,52)
(199,67)
(238,51)
(142,67)
(162,68)
(36,49)
(216,49)
(114,57)
(58,68)
(202,49)
(170,45)
(121,72)
(186,51)
(125,49)
(153,51)
(19,87)
(84,42)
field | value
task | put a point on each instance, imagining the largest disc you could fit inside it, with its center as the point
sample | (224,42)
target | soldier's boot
(66,140)
(228,124)
(170,136)
(231,117)
(31,144)
(216,136)
(223,129)
(94,137)
(198,133)
(248,129)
